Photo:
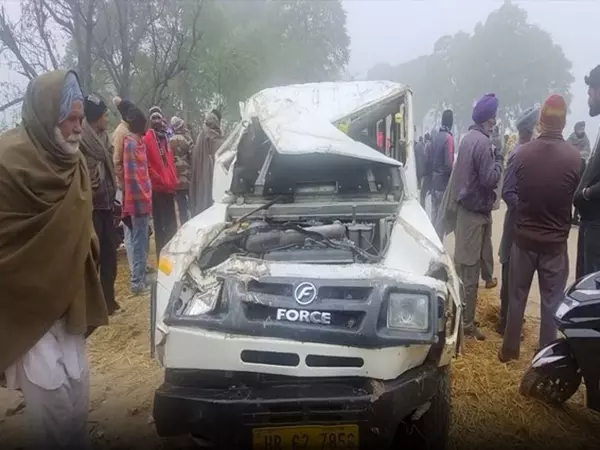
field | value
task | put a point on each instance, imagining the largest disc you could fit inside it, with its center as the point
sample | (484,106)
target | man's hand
(498,155)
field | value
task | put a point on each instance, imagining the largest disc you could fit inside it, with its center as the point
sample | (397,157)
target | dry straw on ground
(488,411)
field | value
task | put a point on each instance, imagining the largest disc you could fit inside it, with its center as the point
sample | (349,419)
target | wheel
(552,387)
(430,431)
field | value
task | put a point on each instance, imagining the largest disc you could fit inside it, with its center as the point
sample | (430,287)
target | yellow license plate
(338,437)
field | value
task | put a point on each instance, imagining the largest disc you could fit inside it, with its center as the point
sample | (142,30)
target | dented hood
(299,119)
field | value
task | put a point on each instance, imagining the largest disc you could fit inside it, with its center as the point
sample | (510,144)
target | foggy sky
(411,27)
(395,31)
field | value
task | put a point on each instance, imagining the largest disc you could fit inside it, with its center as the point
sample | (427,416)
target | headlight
(567,305)
(408,312)
(203,301)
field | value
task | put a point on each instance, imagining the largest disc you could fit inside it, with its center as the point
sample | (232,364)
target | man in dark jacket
(526,125)
(547,172)
(98,151)
(442,160)
(477,172)
(587,197)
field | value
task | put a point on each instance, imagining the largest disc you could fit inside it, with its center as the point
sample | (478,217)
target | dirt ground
(488,411)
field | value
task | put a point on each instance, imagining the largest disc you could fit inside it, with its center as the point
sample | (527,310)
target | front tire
(430,431)
(553,387)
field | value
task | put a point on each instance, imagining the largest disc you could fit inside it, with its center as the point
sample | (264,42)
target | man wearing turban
(547,175)
(50,291)
(526,125)
(470,198)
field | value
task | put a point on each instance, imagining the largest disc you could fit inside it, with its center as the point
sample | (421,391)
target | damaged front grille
(279,289)
(358,293)
(347,320)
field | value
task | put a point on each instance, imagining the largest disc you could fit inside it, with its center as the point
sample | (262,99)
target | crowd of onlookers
(156,174)
(547,183)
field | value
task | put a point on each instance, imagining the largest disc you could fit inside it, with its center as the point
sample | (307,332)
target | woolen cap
(593,79)
(553,116)
(94,107)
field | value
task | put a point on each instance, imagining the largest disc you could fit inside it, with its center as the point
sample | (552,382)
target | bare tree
(149,41)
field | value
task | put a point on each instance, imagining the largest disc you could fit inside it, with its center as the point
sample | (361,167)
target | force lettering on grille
(295,315)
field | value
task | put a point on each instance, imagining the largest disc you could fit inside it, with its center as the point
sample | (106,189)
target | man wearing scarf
(442,160)
(203,161)
(542,226)
(181,144)
(476,174)
(580,141)
(526,125)
(161,167)
(50,291)
(97,149)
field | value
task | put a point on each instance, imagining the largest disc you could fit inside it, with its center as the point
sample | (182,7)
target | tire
(551,387)
(429,432)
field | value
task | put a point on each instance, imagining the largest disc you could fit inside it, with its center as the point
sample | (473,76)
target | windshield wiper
(260,208)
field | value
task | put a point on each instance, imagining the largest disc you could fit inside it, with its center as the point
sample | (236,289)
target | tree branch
(7,36)
(11,103)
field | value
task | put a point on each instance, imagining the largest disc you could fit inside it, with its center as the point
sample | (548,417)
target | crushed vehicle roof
(299,119)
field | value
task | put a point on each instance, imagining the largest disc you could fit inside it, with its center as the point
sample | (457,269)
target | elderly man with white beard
(50,292)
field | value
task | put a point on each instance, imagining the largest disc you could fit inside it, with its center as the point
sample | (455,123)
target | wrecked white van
(313,305)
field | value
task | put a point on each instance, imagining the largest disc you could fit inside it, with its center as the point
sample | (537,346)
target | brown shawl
(203,161)
(48,250)
(96,150)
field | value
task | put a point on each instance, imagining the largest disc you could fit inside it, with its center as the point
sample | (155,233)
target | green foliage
(506,54)
(248,46)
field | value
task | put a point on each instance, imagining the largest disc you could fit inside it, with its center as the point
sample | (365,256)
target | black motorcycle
(557,370)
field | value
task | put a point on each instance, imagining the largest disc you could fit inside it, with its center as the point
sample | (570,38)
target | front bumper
(225,416)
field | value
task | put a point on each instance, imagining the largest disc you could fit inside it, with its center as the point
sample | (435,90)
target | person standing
(426,176)
(442,160)
(50,292)
(98,151)
(203,161)
(526,124)
(580,141)
(547,172)
(124,106)
(420,160)
(181,145)
(587,196)
(477,171)
(487,252)
(161,166)
(137,198)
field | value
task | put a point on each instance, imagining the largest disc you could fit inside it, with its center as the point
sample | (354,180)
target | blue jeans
(137,242)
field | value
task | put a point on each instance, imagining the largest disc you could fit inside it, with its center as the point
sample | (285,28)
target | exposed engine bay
(304,242)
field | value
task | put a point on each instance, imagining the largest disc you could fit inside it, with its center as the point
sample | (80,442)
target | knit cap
(553,116)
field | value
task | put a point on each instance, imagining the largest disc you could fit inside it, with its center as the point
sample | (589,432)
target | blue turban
(485,108)
(528,119)
(71,93)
